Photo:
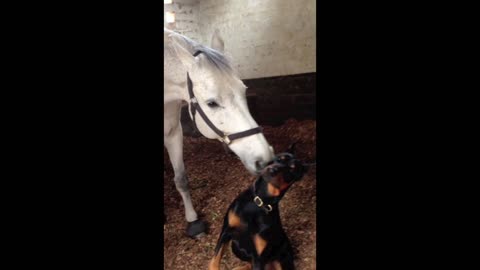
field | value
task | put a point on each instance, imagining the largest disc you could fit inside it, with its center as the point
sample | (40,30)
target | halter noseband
(195,106)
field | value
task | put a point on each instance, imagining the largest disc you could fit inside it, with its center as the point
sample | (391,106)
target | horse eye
(212,104)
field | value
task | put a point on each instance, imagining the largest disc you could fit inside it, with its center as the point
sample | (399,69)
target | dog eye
(212,104)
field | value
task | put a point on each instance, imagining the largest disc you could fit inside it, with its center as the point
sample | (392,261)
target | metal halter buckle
(225,139)
(194,100)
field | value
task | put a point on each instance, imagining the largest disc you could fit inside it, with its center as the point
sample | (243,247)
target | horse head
(218,104)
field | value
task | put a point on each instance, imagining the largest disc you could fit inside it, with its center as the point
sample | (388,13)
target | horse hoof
(196,229)
(200,235)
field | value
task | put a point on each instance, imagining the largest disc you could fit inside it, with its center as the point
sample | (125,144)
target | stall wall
(186,18)
(265,38)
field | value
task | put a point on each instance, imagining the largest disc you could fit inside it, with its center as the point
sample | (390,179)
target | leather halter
(195,106)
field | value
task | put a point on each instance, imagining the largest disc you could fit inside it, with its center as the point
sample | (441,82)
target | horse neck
(175,76)
(175,87)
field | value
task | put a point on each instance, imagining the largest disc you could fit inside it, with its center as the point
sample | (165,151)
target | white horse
(204,78)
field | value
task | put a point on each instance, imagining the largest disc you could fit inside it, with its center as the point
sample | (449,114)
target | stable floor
(216,178)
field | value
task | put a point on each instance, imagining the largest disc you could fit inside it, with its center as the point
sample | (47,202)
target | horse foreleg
(173,136)
(174,145)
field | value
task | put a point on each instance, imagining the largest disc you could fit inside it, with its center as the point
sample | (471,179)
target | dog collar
(259,202)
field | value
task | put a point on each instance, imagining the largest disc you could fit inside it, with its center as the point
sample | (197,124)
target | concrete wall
(265,38)
(186,18)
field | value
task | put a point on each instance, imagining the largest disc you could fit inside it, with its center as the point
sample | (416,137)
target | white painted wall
(265,38)
(186,18)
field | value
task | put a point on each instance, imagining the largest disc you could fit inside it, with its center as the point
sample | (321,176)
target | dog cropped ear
(308,165)
(305,169)
(291,148)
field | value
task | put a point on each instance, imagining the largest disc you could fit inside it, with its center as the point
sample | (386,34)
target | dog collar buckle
(259,202)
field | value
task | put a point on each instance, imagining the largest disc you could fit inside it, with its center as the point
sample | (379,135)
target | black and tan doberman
(252,223)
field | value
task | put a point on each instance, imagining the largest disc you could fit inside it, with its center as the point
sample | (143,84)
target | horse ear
(217,41)
(185,56)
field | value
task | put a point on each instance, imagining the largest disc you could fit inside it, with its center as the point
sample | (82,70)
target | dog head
(283,171)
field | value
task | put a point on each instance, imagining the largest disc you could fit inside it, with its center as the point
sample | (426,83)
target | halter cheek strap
(195,106)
